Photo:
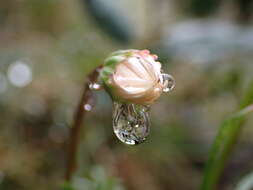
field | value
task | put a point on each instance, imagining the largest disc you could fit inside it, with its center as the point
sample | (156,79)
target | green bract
(108,69)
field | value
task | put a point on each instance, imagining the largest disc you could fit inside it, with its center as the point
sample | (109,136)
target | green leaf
(224,142)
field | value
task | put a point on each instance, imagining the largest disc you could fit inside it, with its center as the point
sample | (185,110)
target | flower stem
(76,126)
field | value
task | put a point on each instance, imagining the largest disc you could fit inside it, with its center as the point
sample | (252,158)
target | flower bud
(133,76)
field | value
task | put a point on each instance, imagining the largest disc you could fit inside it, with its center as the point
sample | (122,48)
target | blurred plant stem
(224,142)
(76,127)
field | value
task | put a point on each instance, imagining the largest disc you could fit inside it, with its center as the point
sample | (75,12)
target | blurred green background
(47,47)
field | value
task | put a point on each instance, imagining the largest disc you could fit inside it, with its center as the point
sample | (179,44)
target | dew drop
(95,86)
(168,82)
(130,123)
(87,107)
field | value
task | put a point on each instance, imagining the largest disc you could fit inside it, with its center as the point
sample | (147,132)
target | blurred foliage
(110,19)
(225,140)
(201,8)
(97,180)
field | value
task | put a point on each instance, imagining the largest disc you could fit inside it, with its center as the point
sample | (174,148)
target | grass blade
(223,144)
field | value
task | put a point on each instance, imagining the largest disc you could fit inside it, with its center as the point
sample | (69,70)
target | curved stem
(76,127)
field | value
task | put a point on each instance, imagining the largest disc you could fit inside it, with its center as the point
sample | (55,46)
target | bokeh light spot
(19,74)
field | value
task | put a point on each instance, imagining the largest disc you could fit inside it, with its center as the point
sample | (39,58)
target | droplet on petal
(131,123)
(168,82)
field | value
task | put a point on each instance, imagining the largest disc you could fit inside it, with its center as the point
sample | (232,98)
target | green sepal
(108,69)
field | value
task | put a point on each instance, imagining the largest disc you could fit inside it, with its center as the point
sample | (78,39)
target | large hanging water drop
(131,122)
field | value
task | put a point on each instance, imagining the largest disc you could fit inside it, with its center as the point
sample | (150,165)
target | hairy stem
(77,123)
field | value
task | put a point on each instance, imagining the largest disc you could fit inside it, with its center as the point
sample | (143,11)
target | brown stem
(75,129)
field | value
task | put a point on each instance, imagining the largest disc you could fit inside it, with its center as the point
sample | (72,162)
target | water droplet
(130,123)
(87,107)
(90,103)
(95,86)
(168,82)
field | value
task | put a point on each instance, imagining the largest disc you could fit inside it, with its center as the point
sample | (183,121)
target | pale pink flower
(137,78)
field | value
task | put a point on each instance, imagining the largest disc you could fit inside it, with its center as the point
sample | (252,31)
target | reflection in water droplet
(130,123)
(168,82)
(87,107)
(95,86)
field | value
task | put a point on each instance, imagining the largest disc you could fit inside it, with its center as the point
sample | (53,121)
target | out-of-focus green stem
(225,140)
